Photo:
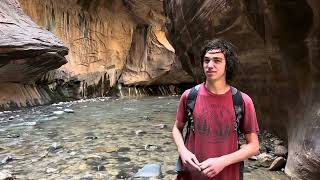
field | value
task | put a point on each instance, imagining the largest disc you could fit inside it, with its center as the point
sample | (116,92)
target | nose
(211,64)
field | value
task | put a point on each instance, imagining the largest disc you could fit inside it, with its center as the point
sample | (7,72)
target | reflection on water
(98,138)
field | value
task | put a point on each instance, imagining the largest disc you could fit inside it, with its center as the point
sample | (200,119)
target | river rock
(140,132)
(5,175)
(68,110)
(147,118)
(253,158)
(150,147)
(87,177)
(281,151)
(161,126)
(265,159)
(149,171)
(91,137)
(92,157)
(6,159)
(52,170)
(55,146)
(277,164)
(99,167)
(58,112)
(277,142)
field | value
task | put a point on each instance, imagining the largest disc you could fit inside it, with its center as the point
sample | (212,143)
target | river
(101,138)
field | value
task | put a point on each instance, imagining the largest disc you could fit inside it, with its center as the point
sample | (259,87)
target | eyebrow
(206,57)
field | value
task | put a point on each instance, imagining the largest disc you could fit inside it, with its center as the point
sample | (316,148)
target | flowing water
(102,138)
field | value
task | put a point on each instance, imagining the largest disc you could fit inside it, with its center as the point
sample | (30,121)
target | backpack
(239,112)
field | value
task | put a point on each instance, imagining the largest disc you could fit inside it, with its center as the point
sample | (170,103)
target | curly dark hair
(232,60)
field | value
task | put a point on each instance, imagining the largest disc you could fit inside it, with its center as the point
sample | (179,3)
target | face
(214,65)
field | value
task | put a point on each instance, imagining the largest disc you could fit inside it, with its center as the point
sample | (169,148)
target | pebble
(68,110)
(139,132)
(58,112)
(51,170)
(54,146)
(161,126)
(146,118)
(5,175)
(150,147)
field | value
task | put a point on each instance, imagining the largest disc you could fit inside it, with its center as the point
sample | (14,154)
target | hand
(212,166)
(189,159)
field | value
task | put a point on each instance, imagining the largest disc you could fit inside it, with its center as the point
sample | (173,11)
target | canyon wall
(278,45)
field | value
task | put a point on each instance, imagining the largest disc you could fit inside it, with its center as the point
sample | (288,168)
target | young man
(211,151)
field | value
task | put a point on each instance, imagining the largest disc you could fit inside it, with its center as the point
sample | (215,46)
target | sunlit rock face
(278,45)
(27,52)
(110,42)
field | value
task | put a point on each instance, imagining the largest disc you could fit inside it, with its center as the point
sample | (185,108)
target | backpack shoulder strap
(238,107)
(191,101)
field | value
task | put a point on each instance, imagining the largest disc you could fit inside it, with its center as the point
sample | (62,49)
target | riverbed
(101,138)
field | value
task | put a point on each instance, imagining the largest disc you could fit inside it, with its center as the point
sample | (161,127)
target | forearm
(177,137)
(250,149)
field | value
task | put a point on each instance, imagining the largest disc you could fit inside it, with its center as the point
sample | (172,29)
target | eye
(206,60)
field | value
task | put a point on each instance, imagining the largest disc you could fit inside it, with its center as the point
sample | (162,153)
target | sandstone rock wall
(110,41)
(278,45)
(27,52)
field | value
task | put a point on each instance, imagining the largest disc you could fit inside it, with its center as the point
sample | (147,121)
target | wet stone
(123,149)
(68,110)
(149,171)
(139,132)
(124,159)
(87,177)
(99,168)
(91,137)
(54,147)
(58,112)
(5,175)
(150,147)
(123,175)
(171,172)
(51,170)
(6,159)
(147,118)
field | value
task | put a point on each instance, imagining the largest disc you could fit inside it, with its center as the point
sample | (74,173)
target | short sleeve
(249,124)
(181,110)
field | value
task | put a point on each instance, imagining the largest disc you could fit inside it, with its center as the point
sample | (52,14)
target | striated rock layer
(278,45)
(110,42)
(27,52)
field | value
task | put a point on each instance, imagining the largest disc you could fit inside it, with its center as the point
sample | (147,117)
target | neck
(217,87)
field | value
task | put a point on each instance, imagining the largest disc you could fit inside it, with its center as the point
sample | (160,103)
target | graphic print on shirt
(214,122)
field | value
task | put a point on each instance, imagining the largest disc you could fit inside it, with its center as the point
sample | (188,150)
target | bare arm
(187,157)
(251,149)
(213,166)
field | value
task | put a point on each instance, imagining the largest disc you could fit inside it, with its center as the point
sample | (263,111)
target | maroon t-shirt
(214,134)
